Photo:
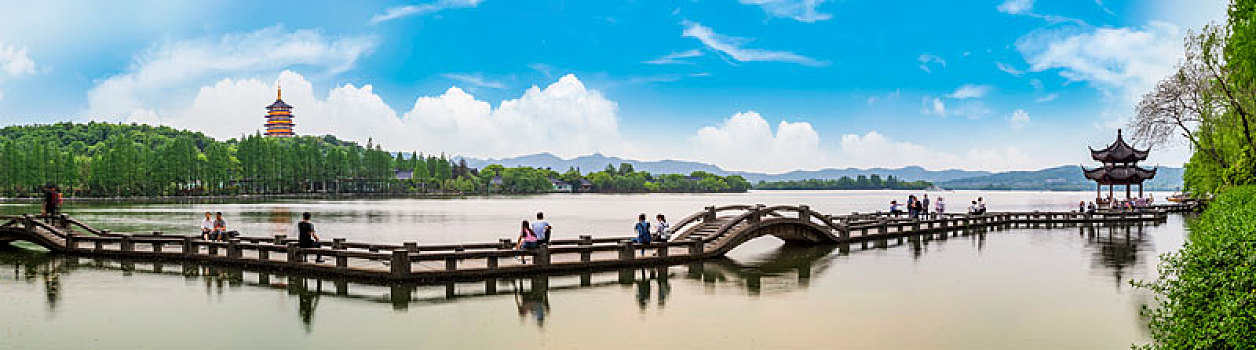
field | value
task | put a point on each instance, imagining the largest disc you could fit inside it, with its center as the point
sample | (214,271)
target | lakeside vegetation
(861,182)
(1205,295)
(130,160)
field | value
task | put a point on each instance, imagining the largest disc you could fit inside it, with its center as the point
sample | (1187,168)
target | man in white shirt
(541,229)
(207,226)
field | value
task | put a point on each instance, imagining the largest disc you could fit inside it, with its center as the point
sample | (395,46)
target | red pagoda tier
(279,118)
(1120,167)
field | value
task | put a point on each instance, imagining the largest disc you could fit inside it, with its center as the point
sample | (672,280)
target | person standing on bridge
(939,207)
(52,199)
(894,210)
(541,229)
(924,206)
(306,236)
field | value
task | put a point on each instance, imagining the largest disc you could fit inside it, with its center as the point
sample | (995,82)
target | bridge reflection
(784,269)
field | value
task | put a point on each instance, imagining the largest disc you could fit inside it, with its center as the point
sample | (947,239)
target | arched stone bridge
(709,233)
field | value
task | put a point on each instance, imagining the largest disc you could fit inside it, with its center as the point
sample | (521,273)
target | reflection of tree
(1116,247)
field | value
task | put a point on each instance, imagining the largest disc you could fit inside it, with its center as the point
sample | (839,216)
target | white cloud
(969,108)
(1047,98)
(1018,119)
(874,148)
(968,91)
(1016,7)
(732,47)
(676,57)
(166,74)
(1122,61)
(14,61)
(800,10)
(475,80)
(564,118)
(1009,69)
(927,60)
(422,9)
(746,141)
(933,106)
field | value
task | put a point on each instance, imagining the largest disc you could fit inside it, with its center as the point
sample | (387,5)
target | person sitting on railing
(306,237)
(220,228)
(661,227)
(643,232)
(981,206)
(1090,208)
(972,209)
(541,229)
(207,226)
(527,240)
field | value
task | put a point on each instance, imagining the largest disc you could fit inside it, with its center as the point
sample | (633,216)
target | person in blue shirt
(643,230)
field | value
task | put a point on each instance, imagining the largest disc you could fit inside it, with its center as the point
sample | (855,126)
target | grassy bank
(1207,291)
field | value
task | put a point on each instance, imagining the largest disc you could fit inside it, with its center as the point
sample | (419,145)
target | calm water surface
(1036,288)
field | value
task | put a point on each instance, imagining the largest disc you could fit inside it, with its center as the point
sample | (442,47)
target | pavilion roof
(1119,152)
(1119,174)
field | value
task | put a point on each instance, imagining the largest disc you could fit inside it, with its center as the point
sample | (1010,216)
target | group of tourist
(1131,204)
(917,208)
(52,201)
(535,234)
(214,228)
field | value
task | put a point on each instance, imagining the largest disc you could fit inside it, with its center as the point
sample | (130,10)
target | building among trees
(1120,167)
(279,118)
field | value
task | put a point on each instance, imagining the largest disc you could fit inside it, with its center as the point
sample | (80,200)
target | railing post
(451,264)
(710,214)
(342,261)
(843,231)
(70,244)
(158,246)
(804,212)
(412,247)
(233,248)
(294,256)
(100,246)
(505,244)
(586,240)
(188,246)
(400,263)
(695,247)
(662,249)
(27,223)
(756,213)
(281,239)
(884,228)
(127,245)
(338,243)
(542,255)
(625,250)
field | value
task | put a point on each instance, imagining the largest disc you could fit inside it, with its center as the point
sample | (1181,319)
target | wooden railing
(412,261)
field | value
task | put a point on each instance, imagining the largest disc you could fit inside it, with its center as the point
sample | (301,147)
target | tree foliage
(846,183)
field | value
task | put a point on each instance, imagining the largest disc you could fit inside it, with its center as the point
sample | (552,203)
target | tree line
(127,160)
(861,182)
(1205,293)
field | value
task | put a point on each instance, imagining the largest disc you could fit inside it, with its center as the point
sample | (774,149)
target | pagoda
(1120,167)
(279,118)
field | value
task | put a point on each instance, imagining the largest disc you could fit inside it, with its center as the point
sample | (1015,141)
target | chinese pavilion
(1120,167)
(279,118)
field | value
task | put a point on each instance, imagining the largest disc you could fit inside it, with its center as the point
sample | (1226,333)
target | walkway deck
(706,234)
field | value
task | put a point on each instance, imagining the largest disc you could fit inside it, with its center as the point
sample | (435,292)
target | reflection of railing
(707,234)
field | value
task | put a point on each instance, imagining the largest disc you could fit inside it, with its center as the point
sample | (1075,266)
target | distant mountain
(596,162)
(1062,178)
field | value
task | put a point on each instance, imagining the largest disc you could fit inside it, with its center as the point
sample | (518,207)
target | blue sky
(764,85)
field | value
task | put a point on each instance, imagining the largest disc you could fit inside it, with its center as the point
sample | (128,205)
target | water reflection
(1116,248)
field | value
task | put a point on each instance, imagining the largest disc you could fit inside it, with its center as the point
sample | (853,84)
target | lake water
(1010,288)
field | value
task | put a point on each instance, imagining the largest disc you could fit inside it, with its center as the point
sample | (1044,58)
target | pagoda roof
(278,104)
(1119,152)
(1119,175)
